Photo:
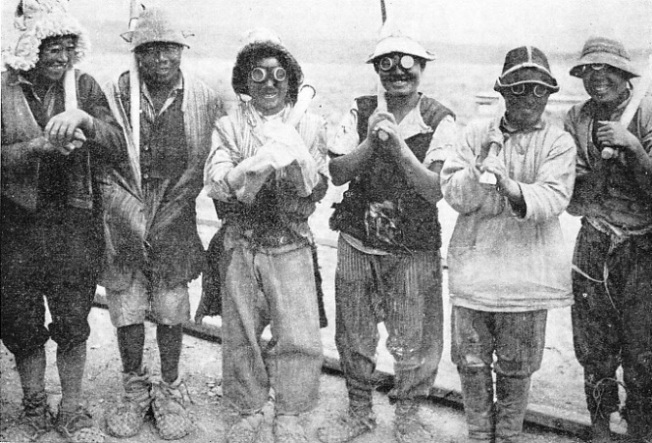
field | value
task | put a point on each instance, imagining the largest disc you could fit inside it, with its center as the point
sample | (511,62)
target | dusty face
(159,62)
(268,91)
(524,110)
(606,85)
(399,80)
(55,56)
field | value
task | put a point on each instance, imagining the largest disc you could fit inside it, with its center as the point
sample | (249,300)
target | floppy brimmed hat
(400,43)
(598,50)
(40,20)
(526,64)
(155,26)
(263,44)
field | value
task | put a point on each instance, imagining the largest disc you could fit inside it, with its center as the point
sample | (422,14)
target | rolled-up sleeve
(223,157)
(443,141)
(345,138)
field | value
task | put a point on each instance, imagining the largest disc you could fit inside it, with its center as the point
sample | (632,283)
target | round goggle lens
(404,61)
(524,88)
(259,75)
(407,61)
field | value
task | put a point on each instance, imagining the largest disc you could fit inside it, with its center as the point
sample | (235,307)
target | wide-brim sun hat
(37,22)
(155,25)
(601,50)
(526,64)
(262,43)
(401,44)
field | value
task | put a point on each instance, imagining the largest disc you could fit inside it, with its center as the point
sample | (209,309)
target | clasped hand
(614,134)
(385,122)
(65,132)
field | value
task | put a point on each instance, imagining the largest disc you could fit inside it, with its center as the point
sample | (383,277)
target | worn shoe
(347,427)
(170,414)
(287,429)
(407,426)
(125,419)
(78,426)
(35,420)
(246,430)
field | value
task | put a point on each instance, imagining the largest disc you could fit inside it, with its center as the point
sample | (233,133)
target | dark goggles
(259,75)
(388,62)
(528,88)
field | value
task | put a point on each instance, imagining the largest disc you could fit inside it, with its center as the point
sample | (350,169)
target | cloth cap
(526,64)
(38,20)
(155,26)
(397,42)
(604,50)
(262,43)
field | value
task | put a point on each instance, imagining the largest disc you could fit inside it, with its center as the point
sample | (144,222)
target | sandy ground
(201,366)
(556,388)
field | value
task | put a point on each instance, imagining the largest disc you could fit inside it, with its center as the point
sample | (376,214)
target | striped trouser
(404,291)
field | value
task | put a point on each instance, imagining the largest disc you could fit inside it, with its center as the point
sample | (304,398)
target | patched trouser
(53,254)
(404,291)
(614,328)
(516,338)
(270,286)
(130,305)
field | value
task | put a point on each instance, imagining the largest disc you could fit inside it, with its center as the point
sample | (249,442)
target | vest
(380,208)
(22,185)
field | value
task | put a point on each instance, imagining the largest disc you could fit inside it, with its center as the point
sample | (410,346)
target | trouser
(53,254)
(517,339)
(404,291)
(270,286)
(614,327)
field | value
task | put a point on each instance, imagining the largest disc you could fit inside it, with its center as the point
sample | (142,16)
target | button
(146,148)
(146,176)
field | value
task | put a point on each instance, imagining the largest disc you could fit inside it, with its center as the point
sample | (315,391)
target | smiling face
(159,62)
(524,110)
(55,56)
(606,86)
(268,96)
(400,81)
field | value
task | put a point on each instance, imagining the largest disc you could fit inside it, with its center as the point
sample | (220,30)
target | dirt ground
(556,387)
(201,366)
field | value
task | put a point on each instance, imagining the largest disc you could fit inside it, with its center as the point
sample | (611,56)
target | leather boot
(512,393)
(478,392)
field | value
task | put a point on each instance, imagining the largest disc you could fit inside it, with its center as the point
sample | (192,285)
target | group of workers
(99,187)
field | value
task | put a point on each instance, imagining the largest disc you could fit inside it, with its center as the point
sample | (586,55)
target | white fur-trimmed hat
(38,20)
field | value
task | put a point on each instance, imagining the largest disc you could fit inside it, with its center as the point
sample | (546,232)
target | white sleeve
(443,141)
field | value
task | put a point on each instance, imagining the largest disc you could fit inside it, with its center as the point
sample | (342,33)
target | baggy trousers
(614,328)
(404,291)
(270,286)
(53,254)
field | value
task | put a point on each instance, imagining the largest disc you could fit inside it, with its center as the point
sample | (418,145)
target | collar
(621,106)
(172,95)
(505,126)
(18,78)
(413,124)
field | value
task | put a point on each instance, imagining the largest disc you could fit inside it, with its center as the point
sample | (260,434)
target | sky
(554,25)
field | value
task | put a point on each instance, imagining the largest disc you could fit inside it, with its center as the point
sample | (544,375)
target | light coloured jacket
(499,260)
(132,230)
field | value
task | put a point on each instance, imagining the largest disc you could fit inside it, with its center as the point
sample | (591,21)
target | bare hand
(494,165)
(614,134)
(61,128)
